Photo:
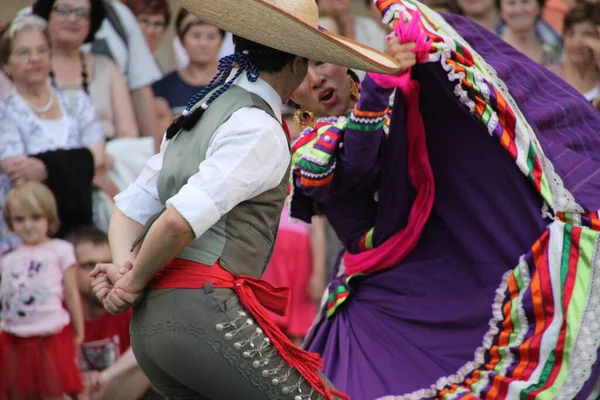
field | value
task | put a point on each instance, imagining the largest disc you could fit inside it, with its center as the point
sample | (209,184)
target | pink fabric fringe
(397,247)
(407,32)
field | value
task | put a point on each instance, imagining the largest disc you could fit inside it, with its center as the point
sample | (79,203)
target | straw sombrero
(291,26)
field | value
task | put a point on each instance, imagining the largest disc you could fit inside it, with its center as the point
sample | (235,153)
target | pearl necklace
(42,109)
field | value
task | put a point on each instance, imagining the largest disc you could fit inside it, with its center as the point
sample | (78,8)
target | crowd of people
(85,102)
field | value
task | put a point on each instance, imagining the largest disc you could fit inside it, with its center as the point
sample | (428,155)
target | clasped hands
(115,287)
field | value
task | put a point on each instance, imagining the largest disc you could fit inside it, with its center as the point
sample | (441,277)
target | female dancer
(469,214)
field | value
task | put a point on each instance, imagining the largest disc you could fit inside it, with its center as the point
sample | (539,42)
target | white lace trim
(562,200)
(584,354)
(465,370)
(582,359)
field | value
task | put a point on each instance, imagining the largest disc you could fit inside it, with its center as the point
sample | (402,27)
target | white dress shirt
(247,155)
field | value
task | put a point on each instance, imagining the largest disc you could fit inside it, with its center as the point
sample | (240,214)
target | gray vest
(243,238)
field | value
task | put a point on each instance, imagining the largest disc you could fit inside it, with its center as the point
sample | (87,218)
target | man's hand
(104,276)
(125,294)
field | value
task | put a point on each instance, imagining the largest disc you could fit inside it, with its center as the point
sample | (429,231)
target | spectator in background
(582,49)
(521,17)
(330,19)
(72,23)
(154,17)
(365,30)
(201,42)
(110,369)
(121,38)
(45,136)
(484,12)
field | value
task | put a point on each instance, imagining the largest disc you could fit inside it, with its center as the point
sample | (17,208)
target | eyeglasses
(160,26)
(22,53)
(66,10)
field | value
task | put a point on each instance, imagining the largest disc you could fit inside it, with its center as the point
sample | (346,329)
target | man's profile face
(88,255)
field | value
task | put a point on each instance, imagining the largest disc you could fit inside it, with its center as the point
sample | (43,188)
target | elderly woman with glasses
(71,23)
(45,136)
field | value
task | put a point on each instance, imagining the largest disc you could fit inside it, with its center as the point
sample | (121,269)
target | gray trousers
(201,344)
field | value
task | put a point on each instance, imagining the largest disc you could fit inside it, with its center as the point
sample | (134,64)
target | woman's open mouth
(328,96)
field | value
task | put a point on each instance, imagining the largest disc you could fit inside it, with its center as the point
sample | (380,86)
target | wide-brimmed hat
(291,26)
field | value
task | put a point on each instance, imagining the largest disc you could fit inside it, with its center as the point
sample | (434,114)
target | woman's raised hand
(402,52)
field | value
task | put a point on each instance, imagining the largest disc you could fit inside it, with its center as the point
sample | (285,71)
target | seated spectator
(109,367)
(153,16)
(486,13)
(582,49)
(521,17)
(72,23)
(46,136)
(201,42)
(365,30)
(120,38)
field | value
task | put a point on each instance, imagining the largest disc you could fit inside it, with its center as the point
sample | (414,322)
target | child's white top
(31,292)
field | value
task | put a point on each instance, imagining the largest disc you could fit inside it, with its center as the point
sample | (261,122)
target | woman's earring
(354,92)
(304,118)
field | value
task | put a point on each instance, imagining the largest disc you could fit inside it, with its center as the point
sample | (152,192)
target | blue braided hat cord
(189,118)
(226,64)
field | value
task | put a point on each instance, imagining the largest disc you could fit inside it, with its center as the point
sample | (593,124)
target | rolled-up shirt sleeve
(140,200)
(248,155)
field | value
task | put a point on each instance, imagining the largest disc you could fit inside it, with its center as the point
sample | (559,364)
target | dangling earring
(304,118)
(354,92)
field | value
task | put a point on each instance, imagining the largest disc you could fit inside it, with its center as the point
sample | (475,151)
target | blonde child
(39,338)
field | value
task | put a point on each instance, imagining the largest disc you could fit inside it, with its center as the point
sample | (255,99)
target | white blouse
(23,133)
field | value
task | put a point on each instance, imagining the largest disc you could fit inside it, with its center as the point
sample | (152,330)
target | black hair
(85,234)
(266,59)
(43,8)
(582,12)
